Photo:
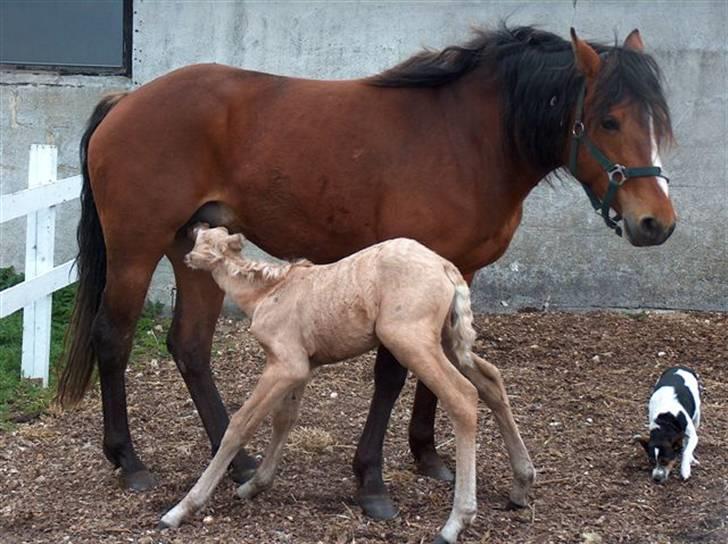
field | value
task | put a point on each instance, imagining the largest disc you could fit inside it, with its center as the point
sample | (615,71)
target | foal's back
(334,310)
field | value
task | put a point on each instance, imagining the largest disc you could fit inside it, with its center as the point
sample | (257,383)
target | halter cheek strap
(616,173)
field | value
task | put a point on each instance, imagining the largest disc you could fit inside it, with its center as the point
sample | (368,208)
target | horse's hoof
(514,505)
(161,526)
(434,468)
(378,507)
(242,475)
(141,480)
(242,468)
(440,540)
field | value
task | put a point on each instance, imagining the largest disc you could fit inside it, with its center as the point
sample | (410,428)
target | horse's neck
(478,103)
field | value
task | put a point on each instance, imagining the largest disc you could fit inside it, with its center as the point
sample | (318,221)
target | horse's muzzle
(647,231)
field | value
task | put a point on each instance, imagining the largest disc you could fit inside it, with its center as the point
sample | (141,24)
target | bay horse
(442,148)
(396,293)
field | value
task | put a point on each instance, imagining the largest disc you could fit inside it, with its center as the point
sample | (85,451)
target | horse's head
(211,246)
(620,120)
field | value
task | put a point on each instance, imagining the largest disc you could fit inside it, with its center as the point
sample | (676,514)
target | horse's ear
(235,242)
(634,41)
(587,60)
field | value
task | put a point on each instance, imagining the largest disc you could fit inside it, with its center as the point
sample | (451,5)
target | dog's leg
(687,456)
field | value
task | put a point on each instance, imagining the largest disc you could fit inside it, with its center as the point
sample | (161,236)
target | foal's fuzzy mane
(539,84)
(259,271)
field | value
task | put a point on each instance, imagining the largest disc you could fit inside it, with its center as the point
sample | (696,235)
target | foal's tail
(460,325)
(78,354)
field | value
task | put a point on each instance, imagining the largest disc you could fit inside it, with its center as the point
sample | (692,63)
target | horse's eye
(610,123)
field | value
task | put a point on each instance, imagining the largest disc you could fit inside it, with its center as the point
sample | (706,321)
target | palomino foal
(397,293)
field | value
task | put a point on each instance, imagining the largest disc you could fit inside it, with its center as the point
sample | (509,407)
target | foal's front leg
(284,418)
(275,383)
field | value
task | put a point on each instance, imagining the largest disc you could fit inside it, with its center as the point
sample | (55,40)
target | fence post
(39,245)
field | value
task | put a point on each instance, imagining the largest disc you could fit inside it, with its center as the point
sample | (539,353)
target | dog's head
(664,445)
(211,245)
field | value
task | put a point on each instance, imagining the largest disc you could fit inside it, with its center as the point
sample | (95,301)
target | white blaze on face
(656,161)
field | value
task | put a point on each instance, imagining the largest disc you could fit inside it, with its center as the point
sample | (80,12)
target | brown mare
(443,148)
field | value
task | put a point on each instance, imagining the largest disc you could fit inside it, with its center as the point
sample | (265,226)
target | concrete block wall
(562,256)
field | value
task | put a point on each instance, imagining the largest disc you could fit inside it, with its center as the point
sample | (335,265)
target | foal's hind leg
(487,378)
(284,417)
(459,399)
(197,308)
(112,335)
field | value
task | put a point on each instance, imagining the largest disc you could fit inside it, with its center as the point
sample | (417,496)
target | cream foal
(397,293)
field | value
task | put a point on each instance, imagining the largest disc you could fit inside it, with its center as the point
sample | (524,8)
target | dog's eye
(610,124)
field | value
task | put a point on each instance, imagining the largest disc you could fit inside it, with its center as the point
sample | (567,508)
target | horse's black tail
(78,355)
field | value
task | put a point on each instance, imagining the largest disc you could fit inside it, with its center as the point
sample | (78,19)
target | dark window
(70,36)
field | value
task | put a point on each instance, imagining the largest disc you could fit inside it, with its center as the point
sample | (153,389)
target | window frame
(68,69)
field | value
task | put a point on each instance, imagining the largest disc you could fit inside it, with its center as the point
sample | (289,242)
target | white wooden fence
(38,202)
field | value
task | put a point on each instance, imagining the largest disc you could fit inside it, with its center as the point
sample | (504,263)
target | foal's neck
(248,282)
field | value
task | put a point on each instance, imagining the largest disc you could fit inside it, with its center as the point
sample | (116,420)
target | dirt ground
(579,385)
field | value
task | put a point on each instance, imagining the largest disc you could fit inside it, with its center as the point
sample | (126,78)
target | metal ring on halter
(618,175)
(578,129)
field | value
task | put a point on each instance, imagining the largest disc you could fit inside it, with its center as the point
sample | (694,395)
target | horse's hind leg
(284,418)
(112,334)
(197,308)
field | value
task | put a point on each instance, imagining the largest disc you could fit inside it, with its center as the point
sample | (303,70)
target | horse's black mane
(539,83)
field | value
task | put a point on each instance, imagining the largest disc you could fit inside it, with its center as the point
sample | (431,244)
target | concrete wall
(562,256)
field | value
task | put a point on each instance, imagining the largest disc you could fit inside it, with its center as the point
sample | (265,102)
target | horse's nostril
(650,226)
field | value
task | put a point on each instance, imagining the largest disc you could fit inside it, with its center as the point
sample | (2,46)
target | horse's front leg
(197,308)
(372,495)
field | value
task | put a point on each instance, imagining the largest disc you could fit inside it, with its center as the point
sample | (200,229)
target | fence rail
(34,295)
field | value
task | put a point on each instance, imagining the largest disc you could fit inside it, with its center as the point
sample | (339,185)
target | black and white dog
(674,419)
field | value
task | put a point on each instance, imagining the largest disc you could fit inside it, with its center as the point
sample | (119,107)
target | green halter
(616,173)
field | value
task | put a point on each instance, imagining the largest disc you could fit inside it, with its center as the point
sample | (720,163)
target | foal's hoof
(161,526)
(378,507)
(141,480)
(440,540)
(433,467)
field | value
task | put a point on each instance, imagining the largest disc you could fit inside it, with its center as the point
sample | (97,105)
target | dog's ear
(642,440)
(235,242)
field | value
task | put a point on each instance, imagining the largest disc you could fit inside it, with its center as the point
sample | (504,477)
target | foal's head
(619,128)
(211,246)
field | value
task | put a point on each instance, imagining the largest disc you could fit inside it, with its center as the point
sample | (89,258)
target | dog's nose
(659,475)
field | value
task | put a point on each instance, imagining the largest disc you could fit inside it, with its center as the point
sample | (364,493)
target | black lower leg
(422,435)
(113,353)
(372,495)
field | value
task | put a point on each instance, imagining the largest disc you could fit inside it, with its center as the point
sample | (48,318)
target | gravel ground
(579,385)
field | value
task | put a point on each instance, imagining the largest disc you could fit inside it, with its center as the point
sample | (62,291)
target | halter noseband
(616,173)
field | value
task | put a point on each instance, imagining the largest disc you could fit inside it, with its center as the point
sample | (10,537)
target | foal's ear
(587,60)
(235,242)
(196,229)
(634,41)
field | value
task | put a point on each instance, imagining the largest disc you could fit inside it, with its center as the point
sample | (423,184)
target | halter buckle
(578,129)
(617,175)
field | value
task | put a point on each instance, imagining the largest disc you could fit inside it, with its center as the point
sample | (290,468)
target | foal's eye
(610,123)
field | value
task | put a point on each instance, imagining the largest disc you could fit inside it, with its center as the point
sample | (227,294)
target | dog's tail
(460,331)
